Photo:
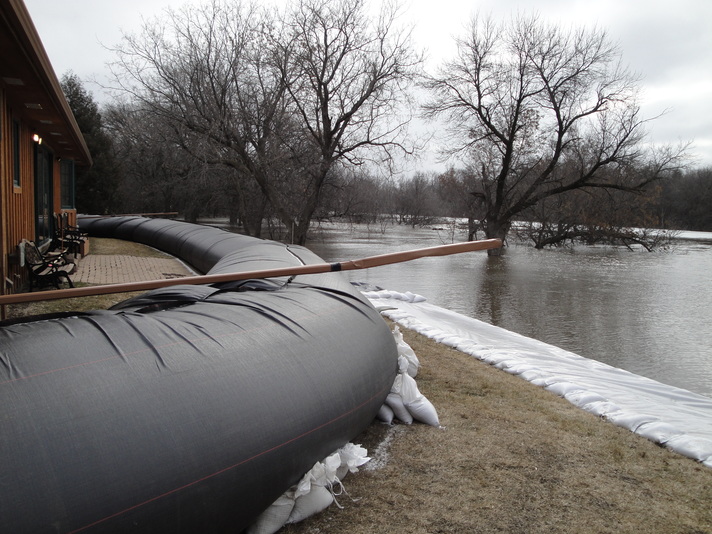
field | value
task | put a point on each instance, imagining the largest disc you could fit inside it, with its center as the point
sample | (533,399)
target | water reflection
(648,313)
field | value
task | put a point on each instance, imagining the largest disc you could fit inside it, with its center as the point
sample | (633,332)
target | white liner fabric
(676,418)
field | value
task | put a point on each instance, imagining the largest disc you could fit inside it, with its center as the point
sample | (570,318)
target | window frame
(67,184)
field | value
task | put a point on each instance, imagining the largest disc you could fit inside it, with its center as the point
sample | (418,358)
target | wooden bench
(47,269)
(68,237)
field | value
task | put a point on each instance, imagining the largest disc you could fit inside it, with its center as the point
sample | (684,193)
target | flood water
(648,313)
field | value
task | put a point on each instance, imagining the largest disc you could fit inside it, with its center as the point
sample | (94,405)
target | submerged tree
(595,217)
(540,111)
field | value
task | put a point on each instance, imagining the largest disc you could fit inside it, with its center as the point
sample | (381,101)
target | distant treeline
(682,201)
(686,201)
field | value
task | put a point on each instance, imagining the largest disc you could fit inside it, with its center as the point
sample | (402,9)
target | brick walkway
(114,269)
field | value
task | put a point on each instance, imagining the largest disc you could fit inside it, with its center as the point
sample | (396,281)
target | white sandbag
(313,493)
(395,403)
(304,485)
(423,410)
(318,475)
(332,464)
(318,499)
(403,364)
(342,472)
(274,517)
(385,414)
(407,352)
(419,407)
(397,384)
(352,457)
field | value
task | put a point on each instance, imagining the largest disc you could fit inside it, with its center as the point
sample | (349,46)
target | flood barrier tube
(189,408)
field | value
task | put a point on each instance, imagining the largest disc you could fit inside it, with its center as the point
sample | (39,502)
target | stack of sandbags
(314,492)
(405,402)
(406,352)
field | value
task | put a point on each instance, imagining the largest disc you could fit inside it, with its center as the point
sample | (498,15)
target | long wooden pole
(364,263)
(155,214)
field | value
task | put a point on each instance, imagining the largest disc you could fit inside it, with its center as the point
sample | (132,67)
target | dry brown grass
(129,248)
(513,458)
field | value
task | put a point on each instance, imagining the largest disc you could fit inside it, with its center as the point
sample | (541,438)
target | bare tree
(598,216)
(347,77)
(416,200)
(207,72)
(157,175)
(539,111)
(278,99)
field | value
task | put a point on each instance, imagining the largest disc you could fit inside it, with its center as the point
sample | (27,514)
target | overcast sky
(668,43)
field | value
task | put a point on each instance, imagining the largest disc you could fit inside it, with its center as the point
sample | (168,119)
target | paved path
(116,269)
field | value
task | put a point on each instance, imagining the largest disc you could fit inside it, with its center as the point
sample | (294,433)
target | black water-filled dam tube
(190,408)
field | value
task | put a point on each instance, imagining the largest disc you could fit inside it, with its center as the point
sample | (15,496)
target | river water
(648,313)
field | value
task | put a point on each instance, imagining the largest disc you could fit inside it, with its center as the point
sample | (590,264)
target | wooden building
(40,144)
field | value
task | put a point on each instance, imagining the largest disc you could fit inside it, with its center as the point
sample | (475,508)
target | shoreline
(512,457)
(667,415)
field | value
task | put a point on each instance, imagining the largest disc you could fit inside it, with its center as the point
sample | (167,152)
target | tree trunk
(300,232)
(471,228)
(496,229)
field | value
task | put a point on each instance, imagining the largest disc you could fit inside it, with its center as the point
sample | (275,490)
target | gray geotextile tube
(190,408)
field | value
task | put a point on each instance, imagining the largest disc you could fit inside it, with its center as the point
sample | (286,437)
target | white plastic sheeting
(674,417)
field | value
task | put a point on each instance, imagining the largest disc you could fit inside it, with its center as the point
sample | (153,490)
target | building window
(66,177)
(16,153)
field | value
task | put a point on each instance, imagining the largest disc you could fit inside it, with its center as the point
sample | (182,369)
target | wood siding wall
(4,160)
(18,203)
